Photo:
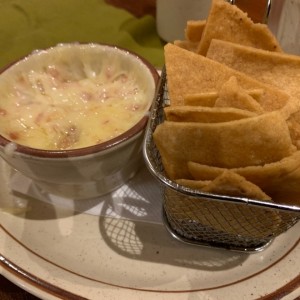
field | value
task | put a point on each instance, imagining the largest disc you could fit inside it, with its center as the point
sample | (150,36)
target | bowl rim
(77,152)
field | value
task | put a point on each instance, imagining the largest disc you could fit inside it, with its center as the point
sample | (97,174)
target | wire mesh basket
(207,219)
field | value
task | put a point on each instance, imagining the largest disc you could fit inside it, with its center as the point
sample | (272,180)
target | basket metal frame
(156,169)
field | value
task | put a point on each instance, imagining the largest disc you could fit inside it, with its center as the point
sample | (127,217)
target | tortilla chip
(229,218)
(194,30)
(225,145)
(232,95)
(206,172)
(231,184)
(294,126)
(255,93)
(205,114)
(193,184)
(187,45)
(228,22)
(208,99)
(227,183)
(280,180)
(278,69)
(268,67)
(189,73)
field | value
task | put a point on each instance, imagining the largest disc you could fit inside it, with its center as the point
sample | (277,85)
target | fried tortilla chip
(193,184)
(278,69)
(228,22)
(229,218)
(205,114)
(231,184)
(246,142)
(269,67)
(294,126)
(194,30)
(232,95)
(187,45)
(206,172)
(227,183)
(280,180)
(209,99)
(189,73)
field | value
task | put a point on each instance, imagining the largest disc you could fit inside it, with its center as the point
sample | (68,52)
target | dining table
(10,291)
(60,21)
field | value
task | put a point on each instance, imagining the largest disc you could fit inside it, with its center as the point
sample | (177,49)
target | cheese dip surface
(72,97)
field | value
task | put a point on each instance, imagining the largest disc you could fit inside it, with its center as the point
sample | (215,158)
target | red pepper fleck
(14,135)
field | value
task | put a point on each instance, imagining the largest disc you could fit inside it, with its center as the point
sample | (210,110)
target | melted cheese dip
(73,99)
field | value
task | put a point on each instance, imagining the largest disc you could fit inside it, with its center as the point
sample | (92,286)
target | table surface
(8,290)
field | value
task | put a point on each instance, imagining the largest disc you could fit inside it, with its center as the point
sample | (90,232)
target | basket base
(251,248)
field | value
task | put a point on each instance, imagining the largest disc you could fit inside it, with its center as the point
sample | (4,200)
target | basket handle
(258,10)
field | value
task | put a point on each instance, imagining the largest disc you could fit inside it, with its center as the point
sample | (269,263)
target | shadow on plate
(149,241)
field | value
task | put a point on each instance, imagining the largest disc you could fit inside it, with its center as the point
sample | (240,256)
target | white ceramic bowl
(93,170)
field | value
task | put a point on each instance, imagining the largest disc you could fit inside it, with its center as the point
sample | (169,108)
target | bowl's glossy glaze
(90,171)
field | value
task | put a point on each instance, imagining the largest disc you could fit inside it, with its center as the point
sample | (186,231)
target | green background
(26,25)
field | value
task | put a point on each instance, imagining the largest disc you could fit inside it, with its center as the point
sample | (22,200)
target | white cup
(172,16)
(284,21)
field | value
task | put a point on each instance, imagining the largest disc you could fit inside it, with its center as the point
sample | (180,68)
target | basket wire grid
(194,217)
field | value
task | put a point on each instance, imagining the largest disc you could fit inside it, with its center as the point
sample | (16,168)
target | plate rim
(34,283)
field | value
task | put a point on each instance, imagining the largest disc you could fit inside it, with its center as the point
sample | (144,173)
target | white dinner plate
(58,250)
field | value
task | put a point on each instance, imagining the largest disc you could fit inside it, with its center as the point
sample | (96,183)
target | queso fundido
(69,98)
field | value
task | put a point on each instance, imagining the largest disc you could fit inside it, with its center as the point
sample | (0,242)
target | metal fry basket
(207,219)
